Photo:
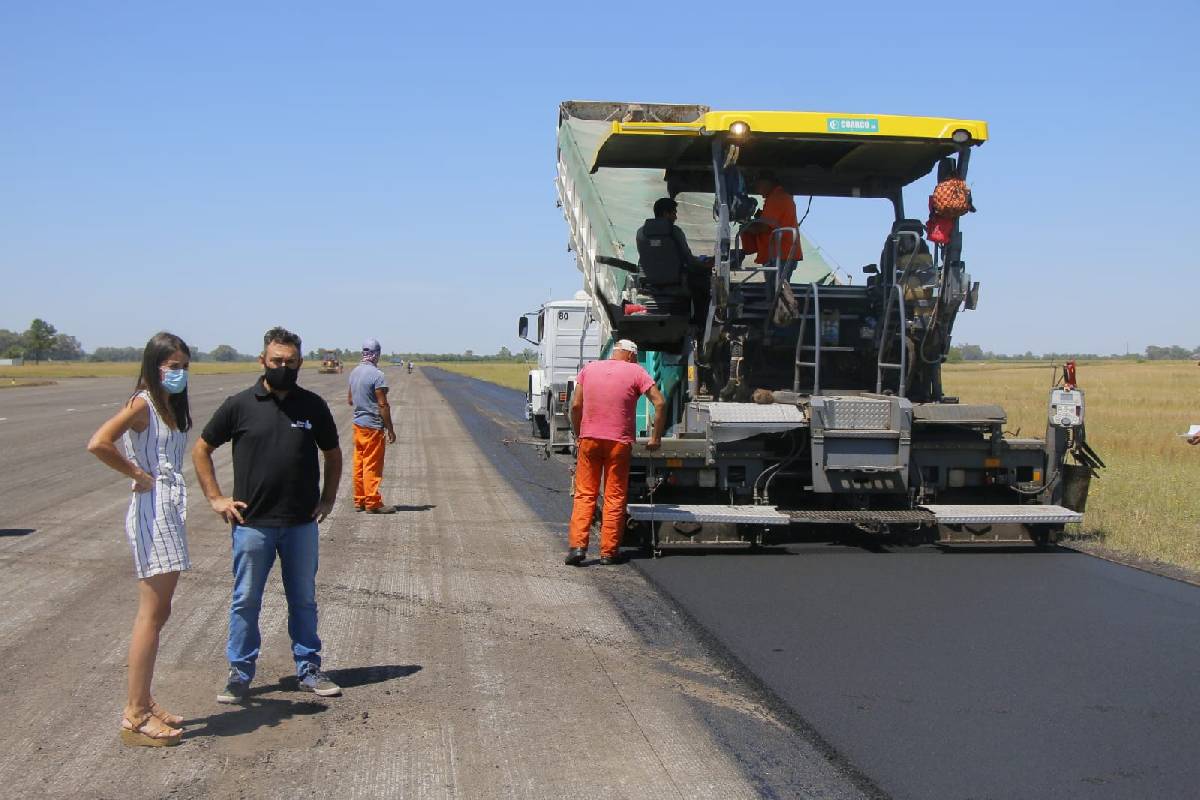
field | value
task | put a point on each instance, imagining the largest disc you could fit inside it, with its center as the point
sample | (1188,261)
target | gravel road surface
(475,664)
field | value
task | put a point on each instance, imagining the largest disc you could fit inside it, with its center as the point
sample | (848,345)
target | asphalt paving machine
(798,399)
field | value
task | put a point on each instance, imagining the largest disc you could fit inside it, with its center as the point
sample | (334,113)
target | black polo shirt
(275,443)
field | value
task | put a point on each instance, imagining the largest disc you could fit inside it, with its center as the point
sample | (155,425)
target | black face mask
(280,379)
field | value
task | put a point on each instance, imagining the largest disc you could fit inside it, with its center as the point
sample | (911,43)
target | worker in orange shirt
(779,211)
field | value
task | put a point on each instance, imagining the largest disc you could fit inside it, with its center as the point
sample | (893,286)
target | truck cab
(567,337)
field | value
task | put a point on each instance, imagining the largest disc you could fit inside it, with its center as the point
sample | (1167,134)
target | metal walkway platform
(669,512)
(922,515)
(1002,515)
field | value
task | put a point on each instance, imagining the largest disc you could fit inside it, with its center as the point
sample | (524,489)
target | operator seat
(904,246)
(662,289)
(660,261)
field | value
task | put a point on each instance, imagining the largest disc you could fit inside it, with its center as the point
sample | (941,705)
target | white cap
(625,344)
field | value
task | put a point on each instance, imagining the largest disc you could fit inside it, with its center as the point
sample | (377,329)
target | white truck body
(567,337)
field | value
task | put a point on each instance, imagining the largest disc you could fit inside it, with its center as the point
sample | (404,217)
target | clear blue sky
(386,169)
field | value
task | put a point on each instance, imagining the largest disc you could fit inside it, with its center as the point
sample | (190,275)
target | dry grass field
(514,376)
(106,369)
(1146,502)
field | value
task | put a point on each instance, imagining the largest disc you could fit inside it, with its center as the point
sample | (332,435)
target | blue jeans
(254,552)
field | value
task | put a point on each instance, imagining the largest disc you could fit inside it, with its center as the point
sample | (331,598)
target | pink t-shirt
(611,389)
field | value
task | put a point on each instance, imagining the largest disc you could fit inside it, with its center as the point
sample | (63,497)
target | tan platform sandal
(164,716)
(133,735)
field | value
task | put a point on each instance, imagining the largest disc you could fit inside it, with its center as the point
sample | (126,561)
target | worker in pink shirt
(603,407)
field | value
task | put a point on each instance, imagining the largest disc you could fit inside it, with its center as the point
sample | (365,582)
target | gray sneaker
(236,690)
(318,683)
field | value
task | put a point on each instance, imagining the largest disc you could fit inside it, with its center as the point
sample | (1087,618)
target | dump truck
(567,337)
(801,399)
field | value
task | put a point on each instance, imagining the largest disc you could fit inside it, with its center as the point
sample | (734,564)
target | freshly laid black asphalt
(937,673)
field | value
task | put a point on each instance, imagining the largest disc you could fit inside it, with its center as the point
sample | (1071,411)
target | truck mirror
(523,329)
(871,269)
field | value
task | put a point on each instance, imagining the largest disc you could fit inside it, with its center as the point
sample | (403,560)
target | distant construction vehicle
(804,401)
(567,337)
(330,363)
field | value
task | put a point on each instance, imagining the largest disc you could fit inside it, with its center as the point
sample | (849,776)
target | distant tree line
(502,355)
(973,352)
(221,352)
(39,342)
(42,342)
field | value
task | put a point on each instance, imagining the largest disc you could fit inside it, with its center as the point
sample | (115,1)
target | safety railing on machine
(895,300)
(812,302)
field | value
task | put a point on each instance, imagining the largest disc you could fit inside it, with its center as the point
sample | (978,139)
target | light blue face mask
(174,380)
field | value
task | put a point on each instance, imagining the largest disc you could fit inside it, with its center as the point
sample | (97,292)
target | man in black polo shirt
(276,428)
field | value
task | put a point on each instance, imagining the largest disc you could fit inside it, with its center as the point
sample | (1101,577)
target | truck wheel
(541,427)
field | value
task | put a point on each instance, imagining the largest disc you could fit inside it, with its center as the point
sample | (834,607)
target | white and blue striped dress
(156,522)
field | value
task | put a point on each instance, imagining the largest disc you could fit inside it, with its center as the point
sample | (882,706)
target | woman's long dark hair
(162,346)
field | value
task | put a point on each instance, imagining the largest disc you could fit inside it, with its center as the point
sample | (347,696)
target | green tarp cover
(618,201)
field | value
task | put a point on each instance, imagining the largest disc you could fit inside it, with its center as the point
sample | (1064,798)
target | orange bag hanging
(951,198)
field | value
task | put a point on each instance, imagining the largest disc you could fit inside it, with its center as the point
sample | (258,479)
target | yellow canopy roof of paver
(819,123)
(812,152)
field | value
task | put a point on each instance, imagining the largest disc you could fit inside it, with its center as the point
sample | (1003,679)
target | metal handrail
(896,254)
(813,299)
(752,271)
(880,364)
(776,237)
(777,266)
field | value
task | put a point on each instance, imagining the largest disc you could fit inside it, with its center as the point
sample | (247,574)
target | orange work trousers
(600,458)
(369,444)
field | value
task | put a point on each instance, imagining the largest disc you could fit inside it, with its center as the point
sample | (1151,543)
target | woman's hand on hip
(142,481)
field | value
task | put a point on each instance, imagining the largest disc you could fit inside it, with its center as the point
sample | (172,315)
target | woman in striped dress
(153,427)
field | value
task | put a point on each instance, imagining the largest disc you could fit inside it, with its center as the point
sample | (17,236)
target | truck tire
(541,427)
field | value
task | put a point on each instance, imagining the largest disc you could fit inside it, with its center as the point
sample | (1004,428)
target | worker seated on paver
(671,276)
(779,211)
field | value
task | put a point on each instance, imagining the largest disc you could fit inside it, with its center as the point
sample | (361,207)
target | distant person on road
(276,428)
(663,251)
(368,393)
(603,407)
(153,428)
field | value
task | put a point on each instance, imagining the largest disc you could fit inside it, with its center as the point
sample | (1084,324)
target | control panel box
(1066,408)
